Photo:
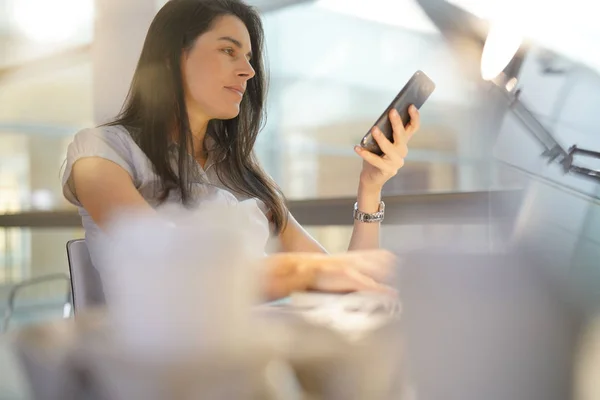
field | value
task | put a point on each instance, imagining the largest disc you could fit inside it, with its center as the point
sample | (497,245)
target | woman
(186,134)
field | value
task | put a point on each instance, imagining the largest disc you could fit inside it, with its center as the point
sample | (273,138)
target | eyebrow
(236,42)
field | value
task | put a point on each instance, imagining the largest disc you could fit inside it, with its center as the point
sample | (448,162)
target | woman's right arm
(338,273)
(103,188)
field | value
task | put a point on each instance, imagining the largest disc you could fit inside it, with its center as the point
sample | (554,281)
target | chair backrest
(86,285)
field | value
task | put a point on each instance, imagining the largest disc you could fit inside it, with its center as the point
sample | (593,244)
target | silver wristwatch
(365,217)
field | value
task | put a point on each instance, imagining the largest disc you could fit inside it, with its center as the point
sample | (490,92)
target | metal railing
(15,289)
(454,208)
(408,209)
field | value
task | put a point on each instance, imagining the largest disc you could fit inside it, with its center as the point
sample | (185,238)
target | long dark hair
(156,104)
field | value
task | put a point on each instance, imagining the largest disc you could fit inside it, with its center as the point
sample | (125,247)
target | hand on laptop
(365,270)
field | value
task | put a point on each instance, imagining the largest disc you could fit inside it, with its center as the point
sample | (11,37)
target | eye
(229,51)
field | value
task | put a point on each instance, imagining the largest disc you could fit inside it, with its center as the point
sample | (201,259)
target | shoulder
(116,137)
(113,143)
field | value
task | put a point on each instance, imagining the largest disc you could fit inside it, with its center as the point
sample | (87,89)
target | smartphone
(416,91)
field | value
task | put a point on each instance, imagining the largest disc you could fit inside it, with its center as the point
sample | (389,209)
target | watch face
(365,217)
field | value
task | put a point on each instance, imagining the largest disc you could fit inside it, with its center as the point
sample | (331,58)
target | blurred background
(334,66)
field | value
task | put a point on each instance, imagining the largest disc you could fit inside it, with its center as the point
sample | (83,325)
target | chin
(230,113)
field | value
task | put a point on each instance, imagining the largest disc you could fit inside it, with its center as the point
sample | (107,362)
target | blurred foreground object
(588,363)
(182,322)
(181,282)
(491,326)
(289,358)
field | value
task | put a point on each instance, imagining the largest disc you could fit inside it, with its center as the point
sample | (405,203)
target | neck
(198,128)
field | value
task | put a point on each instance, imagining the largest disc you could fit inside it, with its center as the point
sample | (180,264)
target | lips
(236,89)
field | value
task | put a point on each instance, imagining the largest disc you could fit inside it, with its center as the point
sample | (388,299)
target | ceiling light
(403,14)
(52,21)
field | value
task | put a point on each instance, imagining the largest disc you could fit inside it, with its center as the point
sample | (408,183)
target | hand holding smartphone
(416,91)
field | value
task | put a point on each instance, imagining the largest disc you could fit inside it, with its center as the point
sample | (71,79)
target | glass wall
(333,69)
(334,66)
(332,80)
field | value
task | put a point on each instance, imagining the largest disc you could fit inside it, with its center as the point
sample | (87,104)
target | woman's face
(216,70)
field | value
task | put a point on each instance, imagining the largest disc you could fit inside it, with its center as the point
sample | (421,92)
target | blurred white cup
(178,283)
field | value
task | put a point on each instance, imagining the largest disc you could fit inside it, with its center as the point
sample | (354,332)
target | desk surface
(284,336)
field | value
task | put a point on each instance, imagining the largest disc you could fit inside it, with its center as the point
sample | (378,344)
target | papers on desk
(353,314)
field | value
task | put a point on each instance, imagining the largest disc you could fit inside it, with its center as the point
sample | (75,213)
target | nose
(246,70)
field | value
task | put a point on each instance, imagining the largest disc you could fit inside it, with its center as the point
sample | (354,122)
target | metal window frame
(454,208)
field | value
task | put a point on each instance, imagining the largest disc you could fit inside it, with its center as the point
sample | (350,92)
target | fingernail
(357,149)
(395,112)
(376,131)
(413,108)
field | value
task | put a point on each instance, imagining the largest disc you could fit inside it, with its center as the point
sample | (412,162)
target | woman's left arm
(376,171)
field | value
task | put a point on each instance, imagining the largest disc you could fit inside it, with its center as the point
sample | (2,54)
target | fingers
(378,264)
(400,146)
(397,126)
(361,282)
(371,158)
(384,143)
(397,150)
(355,271)
(414,123)
(387,166)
